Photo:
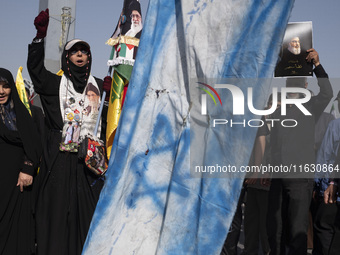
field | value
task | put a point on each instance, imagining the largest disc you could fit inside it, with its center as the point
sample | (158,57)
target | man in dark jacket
(293,147)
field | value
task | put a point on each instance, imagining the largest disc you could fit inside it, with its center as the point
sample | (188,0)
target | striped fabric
(151,204)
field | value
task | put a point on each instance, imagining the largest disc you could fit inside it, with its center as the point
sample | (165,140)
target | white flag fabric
(151,202)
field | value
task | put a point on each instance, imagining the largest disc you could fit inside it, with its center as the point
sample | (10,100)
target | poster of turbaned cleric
(297,40)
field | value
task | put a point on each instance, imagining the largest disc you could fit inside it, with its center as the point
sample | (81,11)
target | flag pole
(101,106)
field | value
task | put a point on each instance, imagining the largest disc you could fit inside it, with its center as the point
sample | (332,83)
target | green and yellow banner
(115,108)
(124,42)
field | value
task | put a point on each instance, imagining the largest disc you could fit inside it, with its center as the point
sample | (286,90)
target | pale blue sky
(96,20)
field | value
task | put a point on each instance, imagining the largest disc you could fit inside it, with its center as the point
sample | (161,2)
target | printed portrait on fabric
(80,114)
(292,60)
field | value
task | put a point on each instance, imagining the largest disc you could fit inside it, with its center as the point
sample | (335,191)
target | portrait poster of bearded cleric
(292,60)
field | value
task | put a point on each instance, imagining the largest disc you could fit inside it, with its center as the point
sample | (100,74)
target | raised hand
(107,86)
(41,23)
(313,56)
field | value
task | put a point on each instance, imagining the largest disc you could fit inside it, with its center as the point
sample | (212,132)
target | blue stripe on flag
(150,203)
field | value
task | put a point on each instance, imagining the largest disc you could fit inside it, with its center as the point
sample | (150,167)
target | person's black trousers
(255,216)
(230,244)
(287,218)
(335,245)
(324,227)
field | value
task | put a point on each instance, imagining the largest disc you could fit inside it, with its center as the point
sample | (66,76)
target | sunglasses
(75,51)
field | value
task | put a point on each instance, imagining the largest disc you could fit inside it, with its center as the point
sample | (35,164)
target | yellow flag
(115,108)
(19,82)
(60,72)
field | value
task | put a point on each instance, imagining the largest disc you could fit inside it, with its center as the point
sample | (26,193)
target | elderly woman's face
(5,91)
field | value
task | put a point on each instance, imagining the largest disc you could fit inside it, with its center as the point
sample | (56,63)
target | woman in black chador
(20,152)
(68,191)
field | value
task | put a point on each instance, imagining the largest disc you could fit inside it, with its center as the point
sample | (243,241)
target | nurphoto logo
(238,99)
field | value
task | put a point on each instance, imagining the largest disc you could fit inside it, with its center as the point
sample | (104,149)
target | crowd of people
(50,185)
(49,195)
(291,212)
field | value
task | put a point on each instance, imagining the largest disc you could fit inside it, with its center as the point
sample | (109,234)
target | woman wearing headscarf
(69,191)
(20,152)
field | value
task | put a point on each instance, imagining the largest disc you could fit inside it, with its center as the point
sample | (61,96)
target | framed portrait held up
(297,40)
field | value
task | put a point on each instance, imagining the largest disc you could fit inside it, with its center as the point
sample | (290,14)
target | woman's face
(5,91)
(78,54)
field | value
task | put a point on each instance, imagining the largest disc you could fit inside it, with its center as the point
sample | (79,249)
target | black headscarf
(78,75)
(27,133)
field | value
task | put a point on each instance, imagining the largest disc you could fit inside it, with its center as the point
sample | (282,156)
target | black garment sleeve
(264,130)
(28,166)
(320,101)
(43,80)
(46,84)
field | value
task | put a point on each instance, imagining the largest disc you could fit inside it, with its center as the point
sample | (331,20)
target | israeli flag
(153,201)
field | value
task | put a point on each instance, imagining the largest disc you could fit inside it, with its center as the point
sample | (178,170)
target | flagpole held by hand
(106,90)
